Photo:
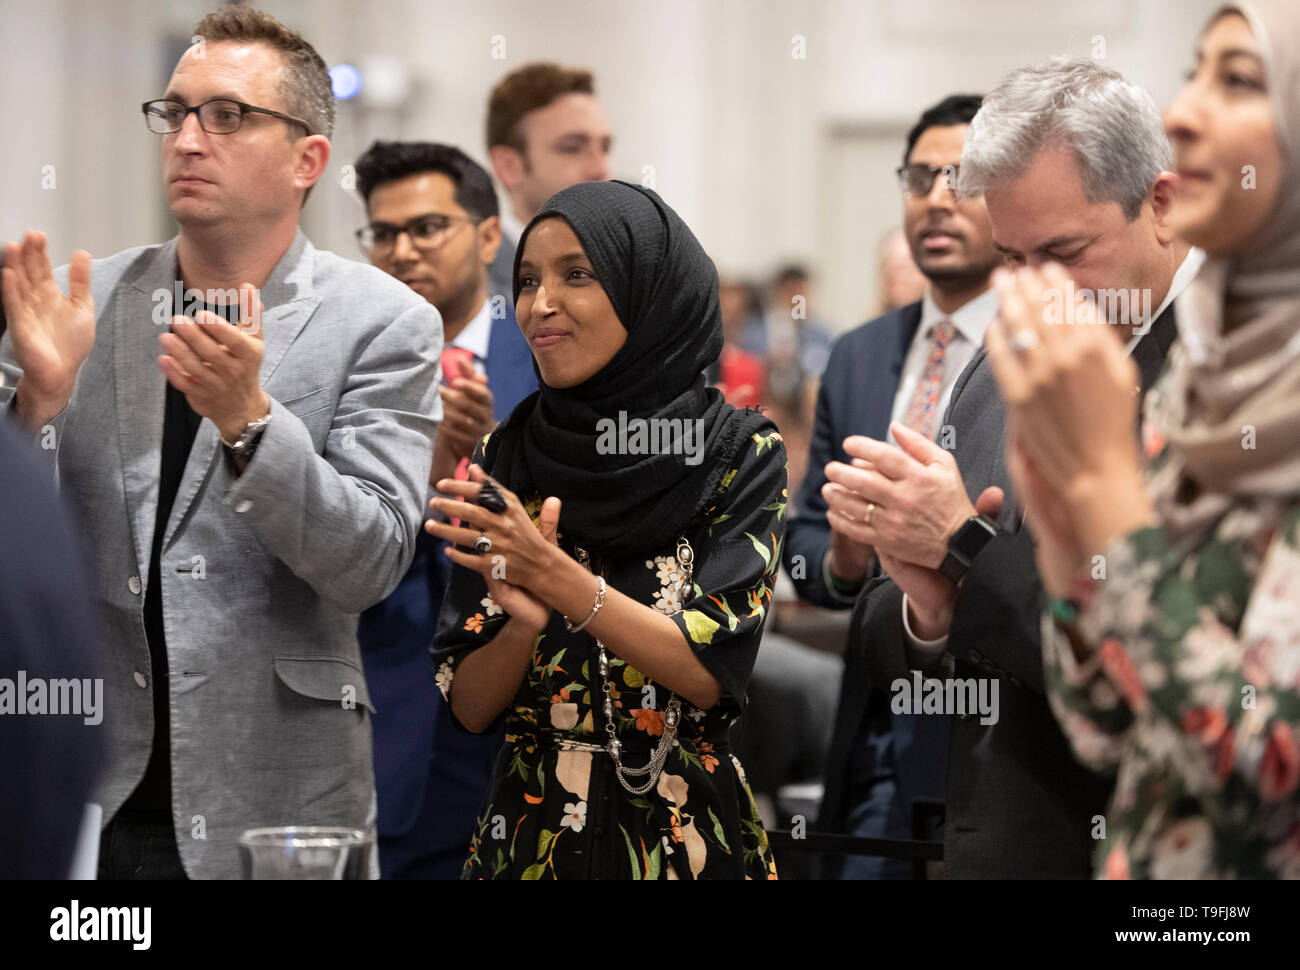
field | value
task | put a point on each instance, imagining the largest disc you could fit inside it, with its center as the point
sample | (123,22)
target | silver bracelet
(600,601)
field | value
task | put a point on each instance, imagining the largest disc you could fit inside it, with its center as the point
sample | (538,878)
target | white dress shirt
(477,333)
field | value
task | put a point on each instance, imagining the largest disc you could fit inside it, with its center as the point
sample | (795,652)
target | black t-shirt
(152,797)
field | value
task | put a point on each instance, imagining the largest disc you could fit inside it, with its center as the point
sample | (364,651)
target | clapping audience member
(614,600)
(1074,165)
(899,367)
(433,224)
(1171,630)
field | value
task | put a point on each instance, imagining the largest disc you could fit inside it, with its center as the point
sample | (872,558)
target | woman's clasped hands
(517,554)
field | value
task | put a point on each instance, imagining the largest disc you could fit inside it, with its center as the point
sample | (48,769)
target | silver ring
(482,545)
(1023,340)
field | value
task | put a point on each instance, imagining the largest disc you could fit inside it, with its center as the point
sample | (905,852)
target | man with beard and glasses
(898,367)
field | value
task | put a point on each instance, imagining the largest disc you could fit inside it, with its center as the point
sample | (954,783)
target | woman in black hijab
(610,603)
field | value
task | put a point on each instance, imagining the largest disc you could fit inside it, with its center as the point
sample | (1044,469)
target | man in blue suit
(882,767)
(434,224)
(51,636)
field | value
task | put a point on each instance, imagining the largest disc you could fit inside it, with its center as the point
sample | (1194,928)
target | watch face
(972,537)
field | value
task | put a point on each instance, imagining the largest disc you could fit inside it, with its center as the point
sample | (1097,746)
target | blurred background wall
(772,126)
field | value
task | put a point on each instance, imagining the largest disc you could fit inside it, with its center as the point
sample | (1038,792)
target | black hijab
(664,289)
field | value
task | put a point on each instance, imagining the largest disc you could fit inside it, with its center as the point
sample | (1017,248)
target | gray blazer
(263,575)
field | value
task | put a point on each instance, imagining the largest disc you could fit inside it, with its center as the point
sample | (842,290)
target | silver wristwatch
(243,448)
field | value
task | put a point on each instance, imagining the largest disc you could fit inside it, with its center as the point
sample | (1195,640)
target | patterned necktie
(922,412)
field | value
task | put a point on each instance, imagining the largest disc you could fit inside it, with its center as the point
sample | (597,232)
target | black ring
(490,498)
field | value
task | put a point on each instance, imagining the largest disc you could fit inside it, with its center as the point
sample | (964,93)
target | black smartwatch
(965,544)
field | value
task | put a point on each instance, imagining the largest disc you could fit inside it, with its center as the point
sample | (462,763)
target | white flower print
(669,573)
(1208,648)
(672,580)
(443,677)
(575,816)
(490,608)
(668,600)
(1183,850)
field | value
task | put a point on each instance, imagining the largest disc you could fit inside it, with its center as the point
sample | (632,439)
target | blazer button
(139,679)
(243,505)
(133,584)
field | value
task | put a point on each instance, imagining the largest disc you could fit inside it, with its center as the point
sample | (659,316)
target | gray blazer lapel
(139,392)
(287,305)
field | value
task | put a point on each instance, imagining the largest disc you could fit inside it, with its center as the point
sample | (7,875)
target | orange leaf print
(1121,669)
(475,623)
(532,799)
(651,722)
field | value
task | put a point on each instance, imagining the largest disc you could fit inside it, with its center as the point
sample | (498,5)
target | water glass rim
(304,836)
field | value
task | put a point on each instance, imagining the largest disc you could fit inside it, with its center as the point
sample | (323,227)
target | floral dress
(1191,694)
(556,811)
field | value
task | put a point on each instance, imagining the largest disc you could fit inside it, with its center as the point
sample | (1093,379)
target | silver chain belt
(672,714)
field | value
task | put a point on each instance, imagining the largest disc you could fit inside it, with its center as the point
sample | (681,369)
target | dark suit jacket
(856,397)
(48,630)
(429,776)
(1018,804)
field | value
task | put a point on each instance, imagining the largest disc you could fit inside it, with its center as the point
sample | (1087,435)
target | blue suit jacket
(429,776)
(50,632)
(856,397)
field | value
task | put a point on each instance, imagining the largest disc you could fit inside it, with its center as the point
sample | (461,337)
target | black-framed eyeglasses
(427,232)
(220,116)
(917,180)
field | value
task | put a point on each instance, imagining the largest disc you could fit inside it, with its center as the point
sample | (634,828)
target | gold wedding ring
(871,510)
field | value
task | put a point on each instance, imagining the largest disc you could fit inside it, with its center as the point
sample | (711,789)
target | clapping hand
(520,551)
(52,334)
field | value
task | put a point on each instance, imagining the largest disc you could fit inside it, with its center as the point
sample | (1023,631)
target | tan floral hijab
(1233,418)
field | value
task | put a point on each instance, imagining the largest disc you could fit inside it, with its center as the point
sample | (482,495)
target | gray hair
(1112,125)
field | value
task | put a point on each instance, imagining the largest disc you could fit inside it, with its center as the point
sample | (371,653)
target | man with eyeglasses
(885,768)
(249,480)
(434,224)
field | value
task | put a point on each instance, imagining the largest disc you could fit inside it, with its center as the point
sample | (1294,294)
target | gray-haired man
(1073,165)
